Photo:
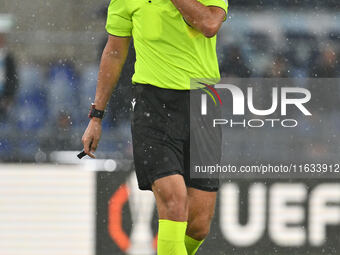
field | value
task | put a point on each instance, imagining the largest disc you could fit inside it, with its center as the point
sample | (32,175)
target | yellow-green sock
(192,245)
(171,238)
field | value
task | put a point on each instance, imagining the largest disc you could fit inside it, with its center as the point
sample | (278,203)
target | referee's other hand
(91,136)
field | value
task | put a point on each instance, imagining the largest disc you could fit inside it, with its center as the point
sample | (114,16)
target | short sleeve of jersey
(219,3)
(118,21)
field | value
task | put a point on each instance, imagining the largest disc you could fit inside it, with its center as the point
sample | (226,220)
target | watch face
(96,113)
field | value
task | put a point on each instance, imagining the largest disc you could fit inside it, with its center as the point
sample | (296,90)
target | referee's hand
(91,136)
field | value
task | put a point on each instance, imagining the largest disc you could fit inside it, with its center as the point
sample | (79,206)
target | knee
(198,229)
(176,206)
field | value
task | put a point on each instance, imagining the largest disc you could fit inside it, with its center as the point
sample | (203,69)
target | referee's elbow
(211,28)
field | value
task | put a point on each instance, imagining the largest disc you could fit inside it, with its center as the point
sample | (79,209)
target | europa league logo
(141,206)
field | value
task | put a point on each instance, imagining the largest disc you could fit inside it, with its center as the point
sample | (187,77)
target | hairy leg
(201,211)
(171,199)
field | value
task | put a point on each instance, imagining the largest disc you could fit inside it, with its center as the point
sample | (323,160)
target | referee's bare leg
(201,206)
(184,214)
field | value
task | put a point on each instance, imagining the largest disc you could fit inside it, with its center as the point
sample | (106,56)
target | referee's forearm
(205,19)
(111,64)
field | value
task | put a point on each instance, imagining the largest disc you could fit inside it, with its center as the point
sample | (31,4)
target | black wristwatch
(95,113)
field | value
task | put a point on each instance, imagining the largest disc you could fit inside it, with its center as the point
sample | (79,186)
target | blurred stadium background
(51,204)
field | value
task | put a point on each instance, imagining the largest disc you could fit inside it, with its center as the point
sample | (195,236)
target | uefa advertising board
(252,217)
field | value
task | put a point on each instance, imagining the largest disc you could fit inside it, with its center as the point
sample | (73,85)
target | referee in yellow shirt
(175,42)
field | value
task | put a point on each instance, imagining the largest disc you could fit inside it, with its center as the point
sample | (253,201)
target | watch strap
(95,113)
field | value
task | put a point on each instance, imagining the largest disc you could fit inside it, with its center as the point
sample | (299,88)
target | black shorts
(161,137)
